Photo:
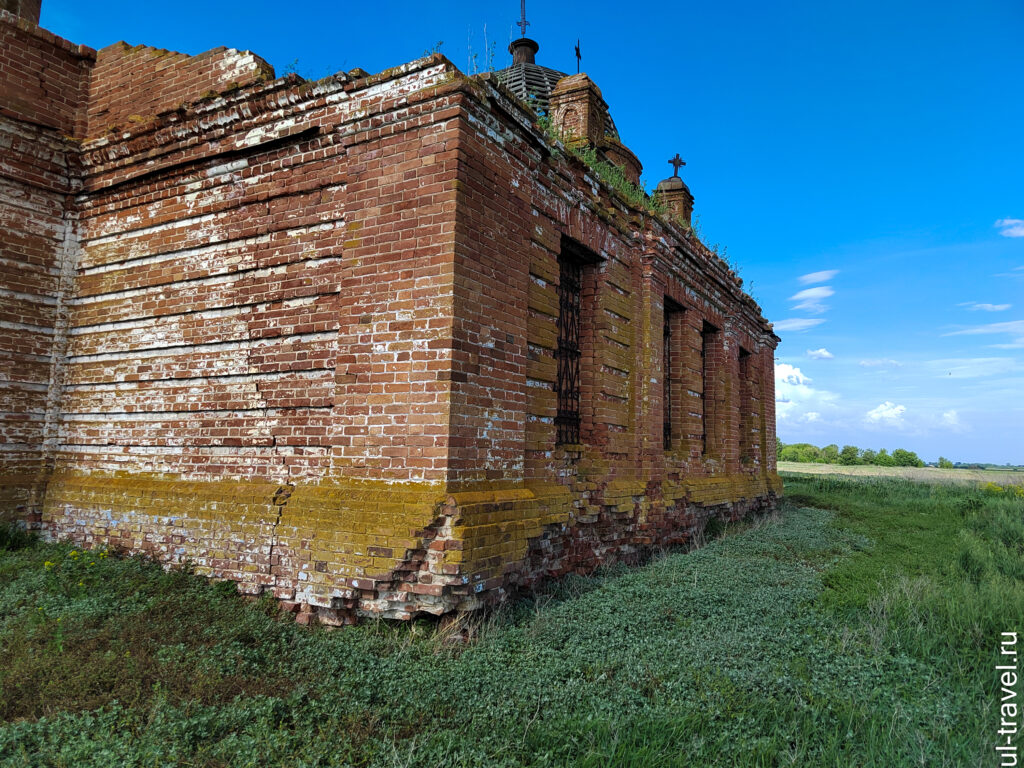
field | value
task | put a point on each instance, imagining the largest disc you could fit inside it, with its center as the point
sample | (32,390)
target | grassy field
(859,627)
(919,474)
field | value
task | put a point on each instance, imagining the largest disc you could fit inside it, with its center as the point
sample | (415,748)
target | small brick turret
(676,195)
(580,113)
(578,110)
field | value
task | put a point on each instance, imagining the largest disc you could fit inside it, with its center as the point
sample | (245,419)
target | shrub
(850,455)
(883,459)
(14,536)
(904,458)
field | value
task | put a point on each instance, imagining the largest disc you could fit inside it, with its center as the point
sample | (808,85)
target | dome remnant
(528,80)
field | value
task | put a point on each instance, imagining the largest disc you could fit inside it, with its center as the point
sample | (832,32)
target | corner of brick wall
(44,78)
(43,82)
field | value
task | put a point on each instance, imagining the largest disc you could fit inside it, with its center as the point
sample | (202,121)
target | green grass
(858,628)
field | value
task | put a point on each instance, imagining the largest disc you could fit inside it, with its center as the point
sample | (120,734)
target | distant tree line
(850,454)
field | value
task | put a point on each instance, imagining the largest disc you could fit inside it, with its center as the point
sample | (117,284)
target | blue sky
(862,162)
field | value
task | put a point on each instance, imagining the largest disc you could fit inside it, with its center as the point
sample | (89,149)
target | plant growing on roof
(609,173)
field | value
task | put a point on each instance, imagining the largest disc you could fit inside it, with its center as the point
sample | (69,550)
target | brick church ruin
(378,344)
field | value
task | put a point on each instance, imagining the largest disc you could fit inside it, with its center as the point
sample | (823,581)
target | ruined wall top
(23,9)
(83,94)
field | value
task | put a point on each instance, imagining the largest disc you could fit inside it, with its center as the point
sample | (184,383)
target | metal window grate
(666,379)
(746,408)
(707,339)
(569,354)
(704,390)
(671,313)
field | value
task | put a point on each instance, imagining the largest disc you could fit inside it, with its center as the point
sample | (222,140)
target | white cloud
(796,400)
(788,374)
(797,324)
(886,413)
(1011,227)
(818,277)
(810,299)
(975,306)
(947,422)
(818,292)
(1014,328)
(820,354)
(880,362)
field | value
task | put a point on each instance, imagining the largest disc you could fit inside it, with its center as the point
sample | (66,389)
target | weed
(607,172)
(714,528)
(14,537)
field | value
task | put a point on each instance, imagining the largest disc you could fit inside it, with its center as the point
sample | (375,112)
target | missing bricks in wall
(281,496)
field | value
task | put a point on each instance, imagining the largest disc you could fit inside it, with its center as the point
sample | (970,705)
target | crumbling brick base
(333,553)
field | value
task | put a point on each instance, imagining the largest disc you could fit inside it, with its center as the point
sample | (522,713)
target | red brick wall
(52,82)
(515,210)
(253,314)
(43,79)
(395,326)
(204,326)
(269,306)
(134,84)
(42,85)
(493,220)
(34,265)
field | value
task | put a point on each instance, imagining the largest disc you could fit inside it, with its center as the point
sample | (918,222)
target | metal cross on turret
(523,23)
(676,162)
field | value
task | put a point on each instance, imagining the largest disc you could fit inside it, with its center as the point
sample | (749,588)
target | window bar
(567,419)
(706,336)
